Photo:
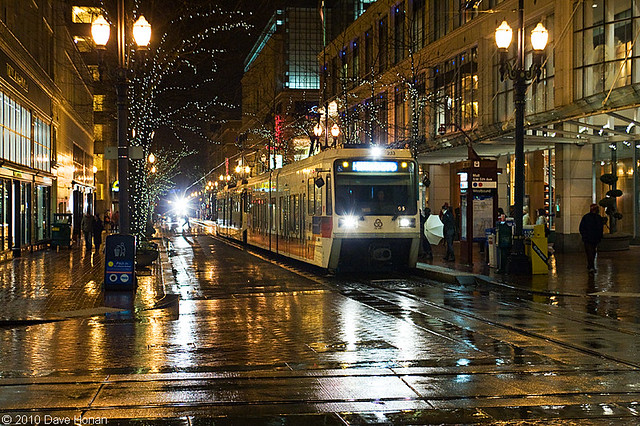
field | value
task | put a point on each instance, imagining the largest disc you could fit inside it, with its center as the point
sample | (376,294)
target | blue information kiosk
(120,263)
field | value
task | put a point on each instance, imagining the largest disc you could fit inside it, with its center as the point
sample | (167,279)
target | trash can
(492,260)
(504,243)
(61,230)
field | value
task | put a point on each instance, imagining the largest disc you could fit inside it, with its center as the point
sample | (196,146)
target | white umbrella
(434,229)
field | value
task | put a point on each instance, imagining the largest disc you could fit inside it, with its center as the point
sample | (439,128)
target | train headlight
(407,222)
(348,222)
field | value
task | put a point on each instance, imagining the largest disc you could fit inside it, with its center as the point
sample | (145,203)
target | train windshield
(367,187)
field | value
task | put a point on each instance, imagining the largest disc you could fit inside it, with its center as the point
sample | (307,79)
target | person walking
(426,246)
(115,221)
(87,229)
(449,231)
(97,232)
(526,218)
(591,227)
(542,220)
(107,221)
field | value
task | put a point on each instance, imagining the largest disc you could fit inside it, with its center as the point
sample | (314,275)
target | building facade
(425,74)
(46,148)
(80,14)
(280,88)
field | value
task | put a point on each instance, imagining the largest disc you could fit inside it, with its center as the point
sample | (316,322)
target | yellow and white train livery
(343,208)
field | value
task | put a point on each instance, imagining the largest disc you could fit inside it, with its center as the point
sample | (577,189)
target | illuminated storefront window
(16,131)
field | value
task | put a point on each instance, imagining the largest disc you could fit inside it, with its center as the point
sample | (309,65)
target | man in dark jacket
(591,230)
(449,230)
(97,232)
(87,229)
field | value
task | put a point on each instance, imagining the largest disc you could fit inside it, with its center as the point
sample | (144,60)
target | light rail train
(344,208)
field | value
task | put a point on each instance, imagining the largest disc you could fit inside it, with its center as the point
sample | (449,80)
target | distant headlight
(406,222)
(348,222)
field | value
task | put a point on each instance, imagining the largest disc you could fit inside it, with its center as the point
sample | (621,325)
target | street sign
(110,152)
(119,262)
(135,153)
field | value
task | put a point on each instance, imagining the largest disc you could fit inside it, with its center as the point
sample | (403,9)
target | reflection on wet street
(258,338)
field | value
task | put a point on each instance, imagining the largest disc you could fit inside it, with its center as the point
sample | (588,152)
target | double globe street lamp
(518,262)
(101,31)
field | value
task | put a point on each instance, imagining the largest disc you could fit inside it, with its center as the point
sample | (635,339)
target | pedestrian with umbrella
(425,214)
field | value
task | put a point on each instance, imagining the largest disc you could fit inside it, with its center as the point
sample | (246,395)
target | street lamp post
(100,30)
(518,261)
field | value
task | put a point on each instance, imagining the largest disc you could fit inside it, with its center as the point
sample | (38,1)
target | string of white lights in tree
(153,90)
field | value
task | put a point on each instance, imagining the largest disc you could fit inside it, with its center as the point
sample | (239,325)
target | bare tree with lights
(169,90)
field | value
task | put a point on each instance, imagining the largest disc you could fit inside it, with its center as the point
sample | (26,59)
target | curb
(168,280)
(27,321)
(447,275)
(453,276)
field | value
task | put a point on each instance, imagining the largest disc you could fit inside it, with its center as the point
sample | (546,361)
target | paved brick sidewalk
(52,284)
(617,273)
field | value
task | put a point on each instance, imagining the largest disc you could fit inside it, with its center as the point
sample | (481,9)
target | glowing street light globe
(100,31)
(539,37)
(504,34)
(335,131)
(317,130)
(142,32)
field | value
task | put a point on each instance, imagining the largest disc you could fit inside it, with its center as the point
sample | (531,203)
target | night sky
(224,81)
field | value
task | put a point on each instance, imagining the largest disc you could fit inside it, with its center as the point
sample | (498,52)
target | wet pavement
(613,291)
(52,285)
(260,340)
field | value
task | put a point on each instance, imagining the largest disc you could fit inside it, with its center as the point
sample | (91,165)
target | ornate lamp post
(518,261)
(100,30)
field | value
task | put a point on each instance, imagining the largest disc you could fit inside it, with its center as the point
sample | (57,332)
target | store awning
(606,127)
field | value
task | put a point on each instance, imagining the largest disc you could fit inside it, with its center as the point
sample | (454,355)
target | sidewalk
(50,285)
(617,273)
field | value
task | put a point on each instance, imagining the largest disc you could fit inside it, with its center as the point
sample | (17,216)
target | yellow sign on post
(539,251)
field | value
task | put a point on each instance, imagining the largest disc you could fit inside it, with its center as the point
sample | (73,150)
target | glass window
(379,119)
(304,42)
(383,41)
(417,25)
(84,14)
(5,213)
(399,114)
(16,132)
(380,188)
(355,62)
(42,145)
(398,33)
(98,102)
(605,55)
(368,51)
(98,132)
(43,200)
